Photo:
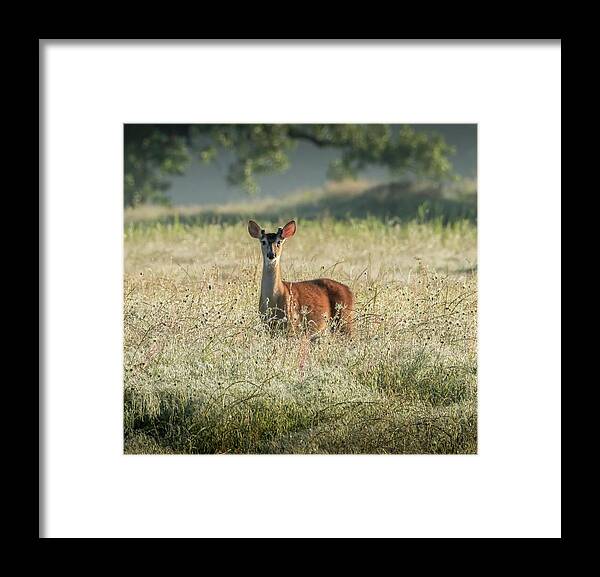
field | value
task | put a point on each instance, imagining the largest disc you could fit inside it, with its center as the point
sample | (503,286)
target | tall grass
(202,375)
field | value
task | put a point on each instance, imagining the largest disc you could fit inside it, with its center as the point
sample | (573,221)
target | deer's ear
(289,229)
(253,229)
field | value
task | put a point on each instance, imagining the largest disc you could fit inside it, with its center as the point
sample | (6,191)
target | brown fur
(316,302)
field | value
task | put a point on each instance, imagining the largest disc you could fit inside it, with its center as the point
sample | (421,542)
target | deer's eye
(264,241)
(278,243)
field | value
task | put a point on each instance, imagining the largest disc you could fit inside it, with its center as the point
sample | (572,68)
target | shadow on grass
(401,202)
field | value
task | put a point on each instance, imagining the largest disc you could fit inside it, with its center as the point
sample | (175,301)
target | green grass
(202,375)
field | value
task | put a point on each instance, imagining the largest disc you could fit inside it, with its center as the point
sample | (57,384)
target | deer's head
(272,242)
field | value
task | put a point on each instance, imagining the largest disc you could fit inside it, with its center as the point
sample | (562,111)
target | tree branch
(301,135)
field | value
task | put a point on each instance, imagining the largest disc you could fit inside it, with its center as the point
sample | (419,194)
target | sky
(204,184)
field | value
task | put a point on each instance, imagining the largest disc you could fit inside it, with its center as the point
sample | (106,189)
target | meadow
(202,374)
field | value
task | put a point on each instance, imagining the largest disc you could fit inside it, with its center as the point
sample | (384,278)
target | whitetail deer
(315,304)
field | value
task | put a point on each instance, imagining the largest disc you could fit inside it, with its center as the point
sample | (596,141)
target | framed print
(300,288)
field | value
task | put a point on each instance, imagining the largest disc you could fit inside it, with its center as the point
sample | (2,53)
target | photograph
(300,289)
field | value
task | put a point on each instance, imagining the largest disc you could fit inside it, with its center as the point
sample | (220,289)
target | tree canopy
(155,151)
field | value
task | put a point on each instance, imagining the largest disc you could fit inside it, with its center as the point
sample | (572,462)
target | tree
(153,151)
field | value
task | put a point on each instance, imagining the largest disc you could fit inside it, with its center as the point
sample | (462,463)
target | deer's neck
(271,286)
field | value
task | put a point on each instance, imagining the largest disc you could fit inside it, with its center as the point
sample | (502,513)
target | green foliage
(150,154)
(153,151)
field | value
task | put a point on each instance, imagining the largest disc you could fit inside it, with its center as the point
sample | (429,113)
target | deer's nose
(270,255)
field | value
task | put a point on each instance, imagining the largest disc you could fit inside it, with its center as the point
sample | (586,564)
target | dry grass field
(202,375)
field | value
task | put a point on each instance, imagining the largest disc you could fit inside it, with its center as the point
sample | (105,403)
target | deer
(313,305)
